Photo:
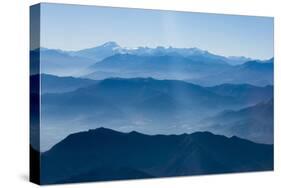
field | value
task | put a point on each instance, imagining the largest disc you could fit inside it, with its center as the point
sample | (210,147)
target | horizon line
(151,47)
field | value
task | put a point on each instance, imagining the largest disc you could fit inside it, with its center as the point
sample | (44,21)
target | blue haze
(173,92)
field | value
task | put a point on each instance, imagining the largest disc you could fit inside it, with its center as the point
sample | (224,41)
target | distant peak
(102,130)
(203,133)
(110,44)
(135,133)
(198,50)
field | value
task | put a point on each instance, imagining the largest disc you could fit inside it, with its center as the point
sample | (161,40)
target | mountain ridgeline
(201,71)
(104,154)
(143,104)
(254,122)
(189,64)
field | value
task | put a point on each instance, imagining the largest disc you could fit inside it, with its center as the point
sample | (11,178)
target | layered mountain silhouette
(111,48)
(58,84)
(254,123)
(149,97)
(64,63)
(190,64)
(252,72)
(198,70)
(61,63)
(98,53)
(143,104)
(156,66)
(244,92)
(104,154)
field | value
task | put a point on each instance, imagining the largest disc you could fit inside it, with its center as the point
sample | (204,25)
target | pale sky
(75,27)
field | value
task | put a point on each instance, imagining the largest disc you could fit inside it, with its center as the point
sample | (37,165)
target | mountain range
(103,154)
(244,92)
(146,92)
(59,84)
(61,63)
(143,104)
(254,123)
(253,72)
(201,71)
(112,48)
(190,64)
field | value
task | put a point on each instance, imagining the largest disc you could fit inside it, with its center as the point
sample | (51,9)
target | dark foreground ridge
(104,154)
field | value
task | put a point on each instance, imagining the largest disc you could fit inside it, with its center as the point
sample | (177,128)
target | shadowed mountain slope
(105,154)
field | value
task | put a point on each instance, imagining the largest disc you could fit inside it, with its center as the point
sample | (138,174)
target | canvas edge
(34,95)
